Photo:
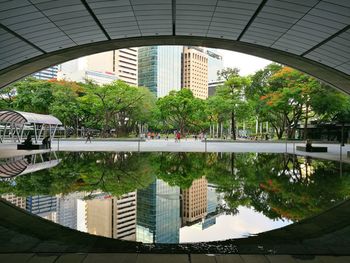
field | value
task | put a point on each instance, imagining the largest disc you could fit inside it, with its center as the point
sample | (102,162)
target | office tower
(103,68)
(126,65)
(113,217)
(44,206)
(15,200)
(159,69)
(215,64)
(195,71)
(194,202)
(47,74)
(158,213)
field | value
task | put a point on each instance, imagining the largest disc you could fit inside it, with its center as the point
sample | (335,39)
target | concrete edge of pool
(25,235)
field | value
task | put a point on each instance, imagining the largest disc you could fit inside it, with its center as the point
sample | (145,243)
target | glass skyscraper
(158,213)
(159,69)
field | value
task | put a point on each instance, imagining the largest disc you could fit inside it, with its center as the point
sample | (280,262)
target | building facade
(103,68)
(47,74)
(158,213)
(195,202)
(215,64)
(159,69)
(195,71)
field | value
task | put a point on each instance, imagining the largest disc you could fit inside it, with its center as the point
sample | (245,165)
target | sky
(245,223)
(246,63)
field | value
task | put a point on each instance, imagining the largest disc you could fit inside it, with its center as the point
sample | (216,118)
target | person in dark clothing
(47,142)
(28,141)
(88,137)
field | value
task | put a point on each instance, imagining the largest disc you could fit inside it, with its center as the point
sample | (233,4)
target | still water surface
(173,197)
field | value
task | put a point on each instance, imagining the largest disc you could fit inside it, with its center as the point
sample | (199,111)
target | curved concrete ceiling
(313,35)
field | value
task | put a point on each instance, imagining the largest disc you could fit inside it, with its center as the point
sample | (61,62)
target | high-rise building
(126,65)
(47,74)
(195,71)
(15,200)
(215,64)
(159,69)
(158,213)
(194,202)
(113,217)
(103,67)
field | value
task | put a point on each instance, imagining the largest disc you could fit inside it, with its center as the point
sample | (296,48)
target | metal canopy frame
(17,124)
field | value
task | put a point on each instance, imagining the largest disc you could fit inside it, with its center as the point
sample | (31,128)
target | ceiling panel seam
(326,40)
(21,38)
(311,8)
(137,22)
(212,16)
(251,20)
(52,22)
(94,17)
(173,12)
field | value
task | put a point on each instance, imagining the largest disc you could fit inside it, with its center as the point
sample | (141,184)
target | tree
(33,95)
(232,95)
(181,110)
(65,105)
(118,106)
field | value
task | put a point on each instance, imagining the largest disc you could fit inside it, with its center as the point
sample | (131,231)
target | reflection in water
(174,197)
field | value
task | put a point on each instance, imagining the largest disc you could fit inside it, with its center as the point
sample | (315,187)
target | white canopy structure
(16,124)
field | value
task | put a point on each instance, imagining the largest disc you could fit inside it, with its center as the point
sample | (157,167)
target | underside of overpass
(312,36)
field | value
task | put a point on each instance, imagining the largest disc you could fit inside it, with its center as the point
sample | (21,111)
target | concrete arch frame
(312,36)
(327,74)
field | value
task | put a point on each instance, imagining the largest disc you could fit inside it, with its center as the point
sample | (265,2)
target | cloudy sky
(246,63)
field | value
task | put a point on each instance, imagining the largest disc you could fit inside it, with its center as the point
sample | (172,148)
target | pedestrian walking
(88,137)
(178,136)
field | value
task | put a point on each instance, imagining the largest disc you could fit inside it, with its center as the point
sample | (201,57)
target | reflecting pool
(173,197)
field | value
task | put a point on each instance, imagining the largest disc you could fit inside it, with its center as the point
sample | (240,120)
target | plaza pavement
(335,152)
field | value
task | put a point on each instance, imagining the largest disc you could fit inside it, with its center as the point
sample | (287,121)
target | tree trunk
(306,121)
(233,125)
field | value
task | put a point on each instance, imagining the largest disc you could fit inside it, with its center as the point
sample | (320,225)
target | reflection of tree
(280,186)
(180,168)
(115,173)
(277,185)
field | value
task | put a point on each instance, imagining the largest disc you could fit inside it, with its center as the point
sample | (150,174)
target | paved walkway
(8,150)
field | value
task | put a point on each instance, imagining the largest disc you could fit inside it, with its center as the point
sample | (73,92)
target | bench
(30,147)
(313,149)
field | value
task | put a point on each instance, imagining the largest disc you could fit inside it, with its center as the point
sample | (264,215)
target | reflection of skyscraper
(158,213)
(67,210)
(42,205)
(111,216)
(194,201)
(15,200)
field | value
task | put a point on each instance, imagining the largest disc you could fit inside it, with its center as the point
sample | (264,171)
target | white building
(103,68)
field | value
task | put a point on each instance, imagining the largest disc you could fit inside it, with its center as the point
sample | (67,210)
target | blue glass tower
(159,69)
(158,213)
